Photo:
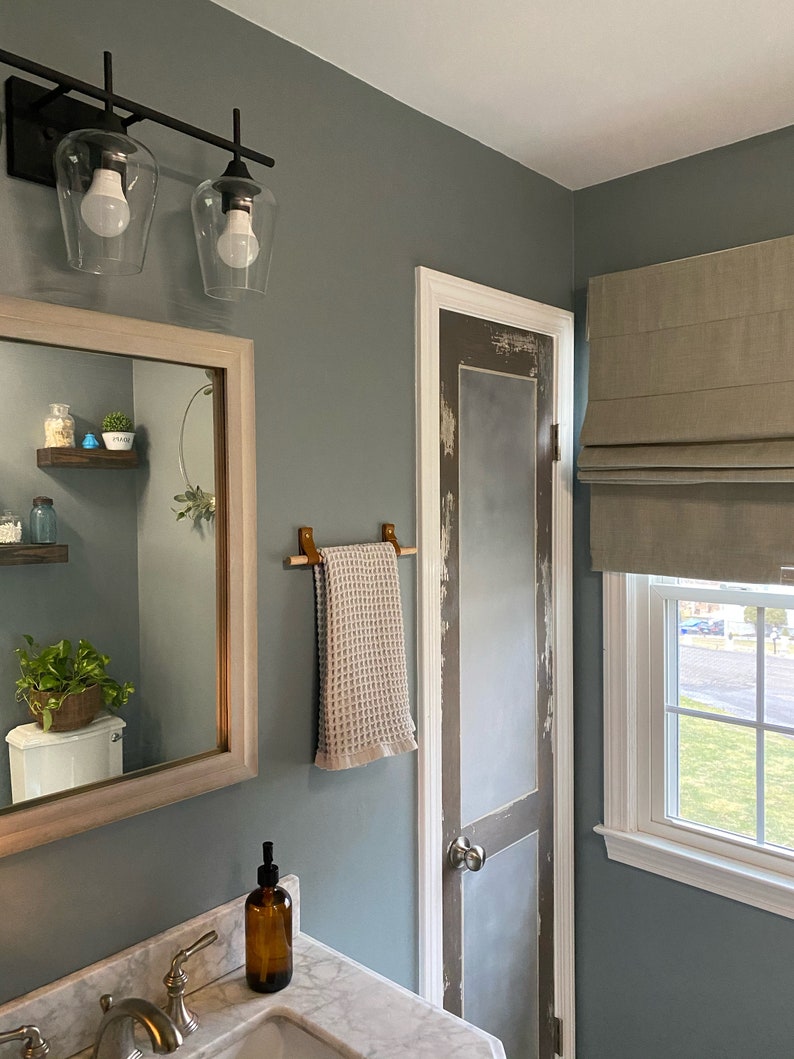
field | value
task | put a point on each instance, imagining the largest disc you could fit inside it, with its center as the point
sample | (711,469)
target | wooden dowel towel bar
(309,556)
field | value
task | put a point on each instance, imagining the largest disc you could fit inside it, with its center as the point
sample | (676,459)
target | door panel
(495,477)
(500,947)
(497,623)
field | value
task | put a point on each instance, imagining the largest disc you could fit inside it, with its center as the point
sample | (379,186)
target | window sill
(751,885)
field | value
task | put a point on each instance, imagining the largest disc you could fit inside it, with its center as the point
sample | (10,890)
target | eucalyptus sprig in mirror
(198,504)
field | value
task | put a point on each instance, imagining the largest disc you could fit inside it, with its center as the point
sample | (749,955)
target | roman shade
(688,439)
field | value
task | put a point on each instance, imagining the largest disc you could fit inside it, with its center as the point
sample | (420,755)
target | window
(688,447)
(699,734)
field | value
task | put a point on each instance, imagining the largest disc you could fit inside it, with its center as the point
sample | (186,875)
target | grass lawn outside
(717,777)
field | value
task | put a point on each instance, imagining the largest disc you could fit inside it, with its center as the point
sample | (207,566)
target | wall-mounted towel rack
(309,556)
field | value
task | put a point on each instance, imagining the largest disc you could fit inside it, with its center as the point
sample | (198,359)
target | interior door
(497,448)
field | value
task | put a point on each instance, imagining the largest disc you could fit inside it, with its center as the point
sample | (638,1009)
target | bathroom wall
(177,628)
(368,190)
(664,969)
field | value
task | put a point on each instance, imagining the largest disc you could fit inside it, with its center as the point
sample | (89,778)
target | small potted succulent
(65,688)
(118,431)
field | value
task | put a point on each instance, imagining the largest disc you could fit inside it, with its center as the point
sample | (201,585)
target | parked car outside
(694,626)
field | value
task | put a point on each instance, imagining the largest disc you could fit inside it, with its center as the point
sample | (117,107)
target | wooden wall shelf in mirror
(173,603)
(33,554)
(99,459)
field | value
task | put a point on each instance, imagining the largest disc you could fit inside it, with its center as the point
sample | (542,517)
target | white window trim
(630,836)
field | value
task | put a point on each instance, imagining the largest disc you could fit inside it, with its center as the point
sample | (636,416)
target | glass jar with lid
(43,524)
(10,528)
(59,428)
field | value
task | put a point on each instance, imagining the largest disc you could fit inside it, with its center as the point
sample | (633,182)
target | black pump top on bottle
(268,872)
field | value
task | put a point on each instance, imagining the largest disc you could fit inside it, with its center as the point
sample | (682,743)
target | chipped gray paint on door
(496,463)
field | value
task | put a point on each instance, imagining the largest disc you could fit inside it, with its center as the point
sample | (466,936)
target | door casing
(436,291)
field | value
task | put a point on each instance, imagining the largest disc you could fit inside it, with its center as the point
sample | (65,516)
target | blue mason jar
(43,525)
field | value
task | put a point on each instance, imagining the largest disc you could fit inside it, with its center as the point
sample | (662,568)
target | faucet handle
(184,954)
(35,1047)
(175,982)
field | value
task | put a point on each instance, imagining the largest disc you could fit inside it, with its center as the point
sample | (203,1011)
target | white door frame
(436,291)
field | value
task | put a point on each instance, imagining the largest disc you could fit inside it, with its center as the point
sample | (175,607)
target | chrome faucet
(115,1037)
(35,1047)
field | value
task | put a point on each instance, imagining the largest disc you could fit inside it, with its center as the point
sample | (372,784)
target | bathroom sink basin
(279,1037)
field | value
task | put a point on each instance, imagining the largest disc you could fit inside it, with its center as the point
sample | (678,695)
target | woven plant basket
(76,711)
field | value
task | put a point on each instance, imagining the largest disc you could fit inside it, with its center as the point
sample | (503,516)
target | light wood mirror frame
(72,812)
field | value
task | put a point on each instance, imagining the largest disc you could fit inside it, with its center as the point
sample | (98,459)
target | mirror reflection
(139,584)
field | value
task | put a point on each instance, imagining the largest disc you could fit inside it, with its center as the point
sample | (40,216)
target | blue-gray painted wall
(664,969)
(176,697)
(368,190)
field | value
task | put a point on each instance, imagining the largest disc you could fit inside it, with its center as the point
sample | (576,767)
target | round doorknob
(463,856)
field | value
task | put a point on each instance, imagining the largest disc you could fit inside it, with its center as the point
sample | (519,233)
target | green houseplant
(118,431)
(117,421)
(59,678)
(199,505)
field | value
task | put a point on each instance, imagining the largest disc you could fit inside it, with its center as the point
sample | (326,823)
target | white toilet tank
(46,762)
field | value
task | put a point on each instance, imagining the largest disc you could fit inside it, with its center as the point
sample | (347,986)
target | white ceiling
(579,90)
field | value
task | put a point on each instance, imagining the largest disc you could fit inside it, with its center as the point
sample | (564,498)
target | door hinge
(555,442)
(557,1030)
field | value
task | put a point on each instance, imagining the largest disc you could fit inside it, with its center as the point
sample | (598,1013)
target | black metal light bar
(137,110)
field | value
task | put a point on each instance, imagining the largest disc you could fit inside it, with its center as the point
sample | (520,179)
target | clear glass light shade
(234,221)
(107,185)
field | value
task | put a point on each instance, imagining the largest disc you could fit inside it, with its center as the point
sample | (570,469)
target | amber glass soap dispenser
(268,930)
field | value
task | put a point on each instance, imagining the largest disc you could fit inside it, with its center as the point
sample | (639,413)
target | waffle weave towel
(364,710)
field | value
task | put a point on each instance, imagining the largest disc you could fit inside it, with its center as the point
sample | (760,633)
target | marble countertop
(358,1011)
(364,1014)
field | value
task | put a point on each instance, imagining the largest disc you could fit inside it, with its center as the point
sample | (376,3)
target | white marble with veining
(361,1013)
(67,1011)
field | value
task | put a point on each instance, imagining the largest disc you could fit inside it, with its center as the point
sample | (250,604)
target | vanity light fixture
(107,181)
(234,219)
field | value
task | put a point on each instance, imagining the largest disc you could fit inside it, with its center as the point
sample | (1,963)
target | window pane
(716,660)
(716,774)
(779,673)
(776,589)
(779,780)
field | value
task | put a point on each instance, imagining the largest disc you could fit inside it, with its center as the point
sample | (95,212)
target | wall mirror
(171,600)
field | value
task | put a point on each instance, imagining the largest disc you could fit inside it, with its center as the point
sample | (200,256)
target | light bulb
(104,208)
(238,247)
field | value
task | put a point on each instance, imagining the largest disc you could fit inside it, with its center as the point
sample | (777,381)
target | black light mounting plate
(33,134)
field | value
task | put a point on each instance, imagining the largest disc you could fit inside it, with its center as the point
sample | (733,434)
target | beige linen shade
(689,432)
